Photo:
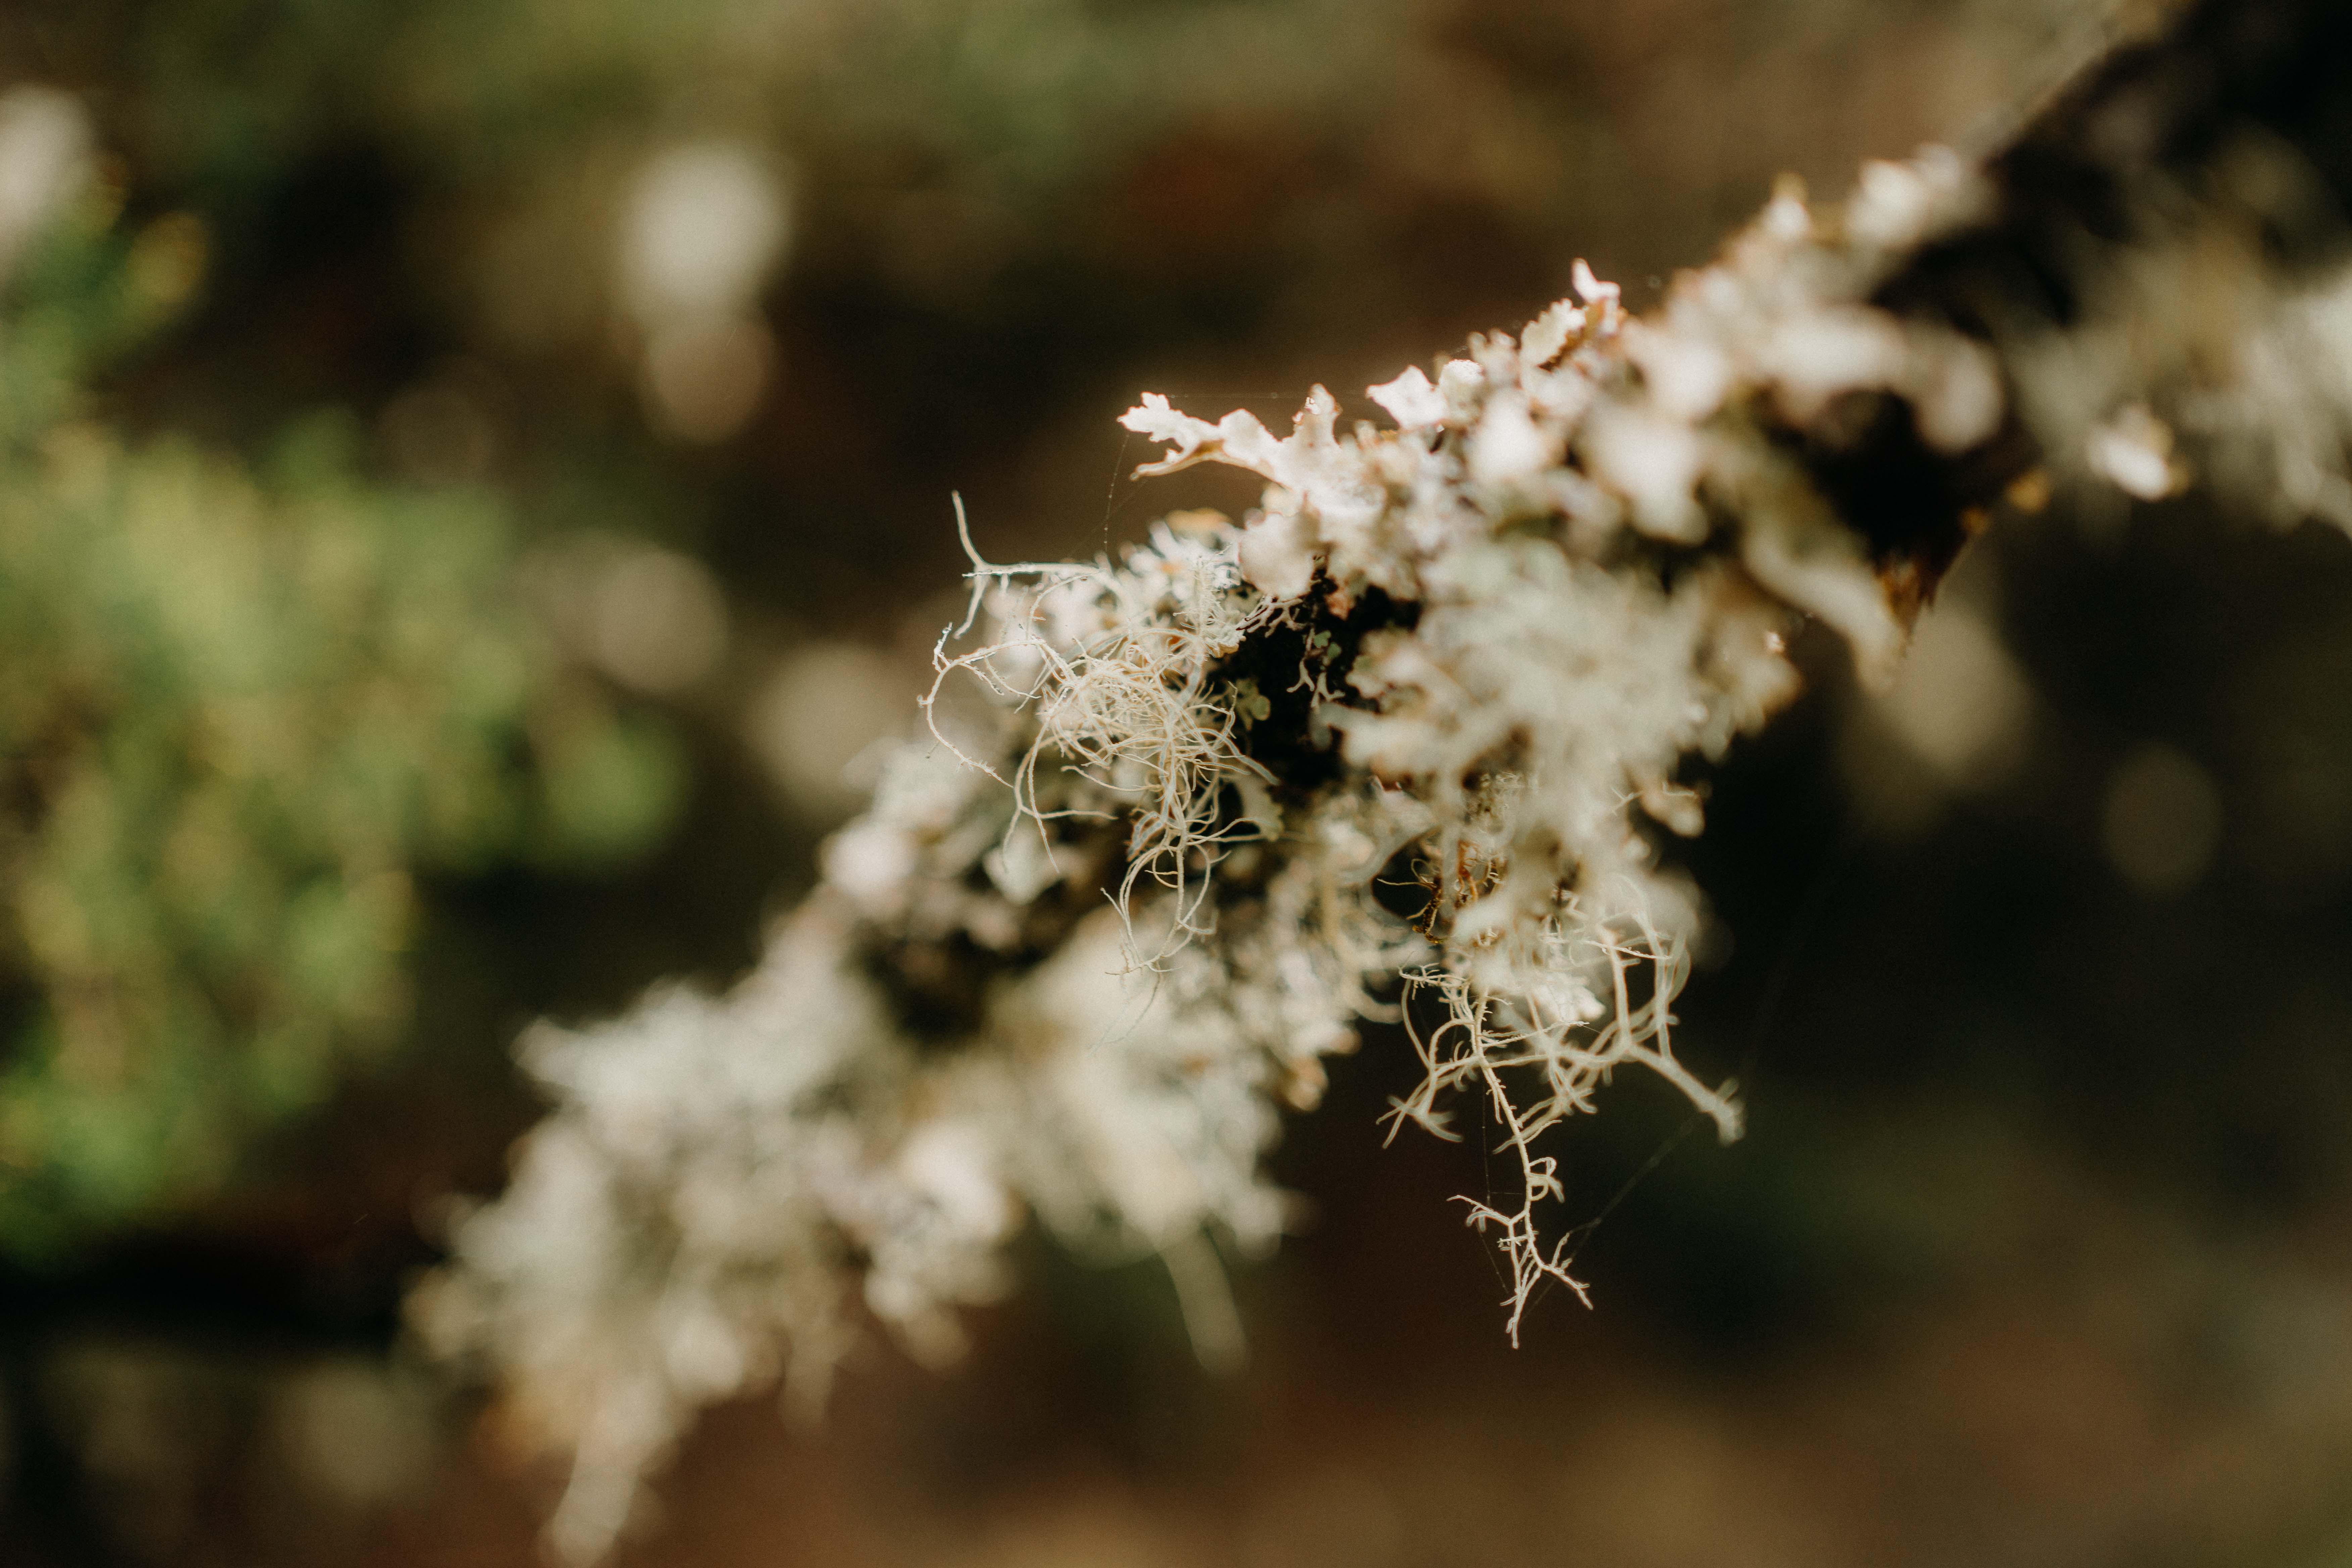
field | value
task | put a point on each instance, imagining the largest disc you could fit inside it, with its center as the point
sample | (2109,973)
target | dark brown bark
(2237,112)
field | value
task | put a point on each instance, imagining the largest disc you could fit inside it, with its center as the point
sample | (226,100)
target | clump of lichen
(1140,879)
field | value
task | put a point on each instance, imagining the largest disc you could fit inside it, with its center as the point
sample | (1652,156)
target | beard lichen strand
(1113,667)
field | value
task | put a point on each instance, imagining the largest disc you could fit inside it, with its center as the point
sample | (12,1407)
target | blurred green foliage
(242,707)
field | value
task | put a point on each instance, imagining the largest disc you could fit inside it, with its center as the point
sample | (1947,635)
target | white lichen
(1083,948)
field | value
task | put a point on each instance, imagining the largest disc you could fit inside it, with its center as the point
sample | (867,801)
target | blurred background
(474,489)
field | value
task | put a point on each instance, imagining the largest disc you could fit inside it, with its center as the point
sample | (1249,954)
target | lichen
(1421,719)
